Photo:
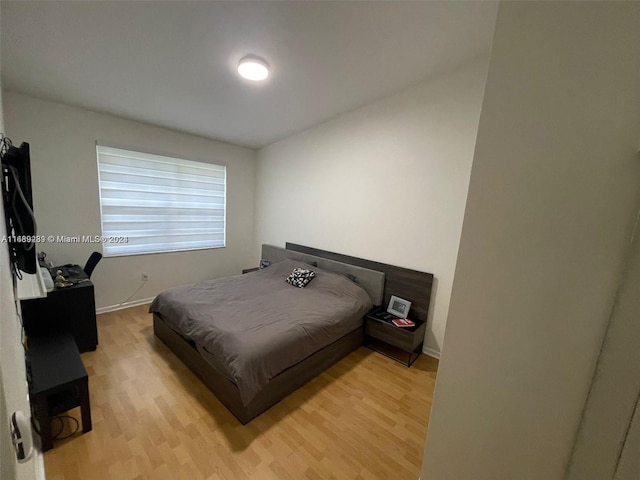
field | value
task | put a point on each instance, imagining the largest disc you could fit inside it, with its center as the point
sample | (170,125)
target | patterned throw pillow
(300,277)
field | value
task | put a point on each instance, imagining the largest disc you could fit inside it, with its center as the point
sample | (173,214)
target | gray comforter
(257,325)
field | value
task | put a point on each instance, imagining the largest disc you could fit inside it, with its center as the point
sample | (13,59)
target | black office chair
(92,262)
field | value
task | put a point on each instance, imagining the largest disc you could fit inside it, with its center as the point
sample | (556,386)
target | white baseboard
(134,303)
(431,352)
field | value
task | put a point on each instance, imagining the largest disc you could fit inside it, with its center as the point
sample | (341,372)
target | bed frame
(405,283)
(278,388)
(297,375)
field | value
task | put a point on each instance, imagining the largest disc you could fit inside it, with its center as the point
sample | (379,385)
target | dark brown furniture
(57,382)
(279,387)
(408,284)
(405,283)
(64,310)
(394,342)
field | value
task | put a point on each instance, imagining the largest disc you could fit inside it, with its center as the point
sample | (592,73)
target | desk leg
(44,421)
(85,405)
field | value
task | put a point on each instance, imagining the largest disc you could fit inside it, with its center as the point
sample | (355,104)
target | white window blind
(159,204)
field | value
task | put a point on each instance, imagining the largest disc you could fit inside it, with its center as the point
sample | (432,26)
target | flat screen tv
(18,206)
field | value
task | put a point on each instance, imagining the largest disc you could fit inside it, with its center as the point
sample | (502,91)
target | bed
(253,339)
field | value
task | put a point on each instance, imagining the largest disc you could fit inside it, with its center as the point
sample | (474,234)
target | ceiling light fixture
(253,68)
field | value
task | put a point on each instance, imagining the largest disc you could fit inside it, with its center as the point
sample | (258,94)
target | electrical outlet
(145,277)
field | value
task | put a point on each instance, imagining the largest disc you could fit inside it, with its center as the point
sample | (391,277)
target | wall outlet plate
(145,277)
(20,428)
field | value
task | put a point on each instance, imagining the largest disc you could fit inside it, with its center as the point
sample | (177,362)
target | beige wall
(613,396)
(66,202)
(386,182)
(629,466)
(554,188)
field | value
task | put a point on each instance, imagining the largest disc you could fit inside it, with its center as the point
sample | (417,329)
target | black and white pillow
(300,277)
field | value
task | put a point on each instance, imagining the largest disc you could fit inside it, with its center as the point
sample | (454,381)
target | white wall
(65,184)
(386,182)
(13,382)
(551,206)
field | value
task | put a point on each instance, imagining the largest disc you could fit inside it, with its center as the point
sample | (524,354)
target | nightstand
(394,342)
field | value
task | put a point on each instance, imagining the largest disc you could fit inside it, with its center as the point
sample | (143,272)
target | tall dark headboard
(405,283)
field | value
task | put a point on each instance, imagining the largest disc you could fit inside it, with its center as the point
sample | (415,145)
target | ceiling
(173,64)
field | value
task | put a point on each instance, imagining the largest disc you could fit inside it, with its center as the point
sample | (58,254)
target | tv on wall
(18,206)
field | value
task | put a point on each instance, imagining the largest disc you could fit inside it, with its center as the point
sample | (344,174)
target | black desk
(64,310)
(57,382)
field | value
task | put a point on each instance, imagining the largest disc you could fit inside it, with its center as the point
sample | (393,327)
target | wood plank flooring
(365,418)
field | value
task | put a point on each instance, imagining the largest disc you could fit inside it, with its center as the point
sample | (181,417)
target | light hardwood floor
(364,418)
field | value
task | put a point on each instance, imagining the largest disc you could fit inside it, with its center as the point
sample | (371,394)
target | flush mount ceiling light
(253,68)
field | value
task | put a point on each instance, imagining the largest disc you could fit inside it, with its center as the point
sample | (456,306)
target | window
(152,204)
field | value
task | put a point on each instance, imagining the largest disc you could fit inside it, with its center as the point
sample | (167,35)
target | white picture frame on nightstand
(398,307)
